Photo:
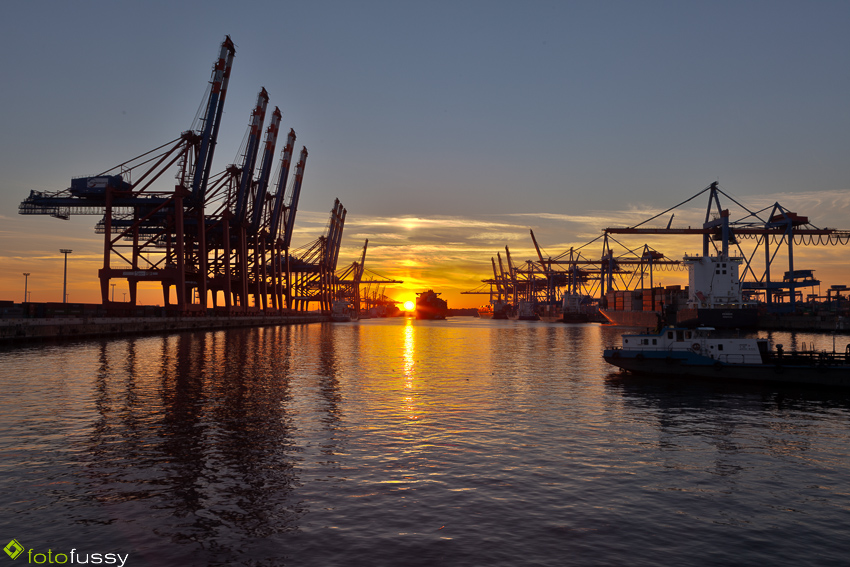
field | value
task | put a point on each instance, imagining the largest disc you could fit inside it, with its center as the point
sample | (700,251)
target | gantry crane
(224,233)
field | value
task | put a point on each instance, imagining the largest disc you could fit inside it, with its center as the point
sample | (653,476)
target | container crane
(167,224)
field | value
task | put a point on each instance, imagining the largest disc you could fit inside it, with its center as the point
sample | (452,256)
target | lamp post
(26,280)
(65,251)
(113,292)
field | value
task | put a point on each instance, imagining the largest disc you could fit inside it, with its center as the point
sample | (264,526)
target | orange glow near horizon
(409,305)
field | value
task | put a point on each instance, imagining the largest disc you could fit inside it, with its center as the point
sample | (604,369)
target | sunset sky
(447,129)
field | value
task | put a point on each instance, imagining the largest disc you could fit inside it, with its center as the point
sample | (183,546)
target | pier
(15,331)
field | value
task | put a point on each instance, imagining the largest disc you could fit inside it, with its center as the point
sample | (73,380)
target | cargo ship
(343,312)
(713,297)
(501,309)
(525,311)
(430,306)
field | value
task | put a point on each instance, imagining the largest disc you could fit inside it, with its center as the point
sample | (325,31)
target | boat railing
(808,357)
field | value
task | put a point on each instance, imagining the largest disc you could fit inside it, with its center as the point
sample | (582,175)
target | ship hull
(717,318)
(687,364)
(643,319)
(720,318)
(430,315)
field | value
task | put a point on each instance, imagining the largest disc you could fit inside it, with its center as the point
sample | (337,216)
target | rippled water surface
(399,442)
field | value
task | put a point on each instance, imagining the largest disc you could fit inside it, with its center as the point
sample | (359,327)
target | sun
(409,305)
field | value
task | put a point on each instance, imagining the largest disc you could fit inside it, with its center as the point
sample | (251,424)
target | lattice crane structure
(221,239)
(576,274)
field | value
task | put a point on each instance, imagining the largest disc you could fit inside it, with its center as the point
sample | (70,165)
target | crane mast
(265,171)
(215,108)
(292,208)
(285,161)
(250,159)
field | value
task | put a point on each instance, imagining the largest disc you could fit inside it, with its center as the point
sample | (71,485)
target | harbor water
(401,442)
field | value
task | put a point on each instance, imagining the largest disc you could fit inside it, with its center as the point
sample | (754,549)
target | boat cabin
(701,342)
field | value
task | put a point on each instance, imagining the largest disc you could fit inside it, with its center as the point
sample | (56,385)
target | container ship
(430,306)
(713,297)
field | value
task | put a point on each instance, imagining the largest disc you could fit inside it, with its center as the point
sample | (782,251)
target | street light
(65,251)
(113,292)
(26,279)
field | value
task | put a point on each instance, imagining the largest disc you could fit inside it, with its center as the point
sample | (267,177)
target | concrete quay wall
(24,330)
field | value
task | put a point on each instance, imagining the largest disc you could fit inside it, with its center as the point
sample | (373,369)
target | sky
(448,130)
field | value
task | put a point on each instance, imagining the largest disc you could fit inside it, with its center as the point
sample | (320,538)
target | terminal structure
(217,241)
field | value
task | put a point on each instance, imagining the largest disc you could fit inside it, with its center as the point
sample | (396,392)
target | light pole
(26,280)
(65,251)
(113,292)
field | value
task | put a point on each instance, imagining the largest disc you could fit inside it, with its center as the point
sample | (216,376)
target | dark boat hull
(687,364)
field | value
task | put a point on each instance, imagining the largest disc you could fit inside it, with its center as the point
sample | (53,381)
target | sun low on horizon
(409,305)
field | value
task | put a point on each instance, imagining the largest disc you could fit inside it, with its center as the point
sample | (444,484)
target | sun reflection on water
(409,358)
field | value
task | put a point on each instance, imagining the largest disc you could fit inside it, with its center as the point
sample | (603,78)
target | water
(398,442)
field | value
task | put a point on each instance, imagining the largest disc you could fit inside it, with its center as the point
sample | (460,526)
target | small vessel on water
(430,306)
(485,311)
(677,351)
(343,312)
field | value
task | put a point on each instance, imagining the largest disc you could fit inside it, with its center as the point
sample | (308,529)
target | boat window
(669,334)
(687,334)
(719,347)
(679,336)
(655,341)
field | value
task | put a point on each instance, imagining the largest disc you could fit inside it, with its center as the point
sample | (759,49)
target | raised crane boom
(215,108)
(250,160)
(265,171)
(283,177)
(536,247)
(292,208)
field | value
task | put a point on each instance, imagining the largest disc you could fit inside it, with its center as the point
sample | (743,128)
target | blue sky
(480,119)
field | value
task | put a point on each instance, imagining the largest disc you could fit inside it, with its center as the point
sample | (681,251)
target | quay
(16,330)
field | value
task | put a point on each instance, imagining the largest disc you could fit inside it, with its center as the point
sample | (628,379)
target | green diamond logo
(13,549)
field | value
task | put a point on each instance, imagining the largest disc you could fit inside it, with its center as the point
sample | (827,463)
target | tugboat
(681,352)
(430,306)
(485,311)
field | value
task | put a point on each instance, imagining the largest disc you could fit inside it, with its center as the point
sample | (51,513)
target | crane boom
(265,171)
(292,208)
(215,108)
(359,275)
(283,176)
(536,247)
(511,271)
(250,160)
